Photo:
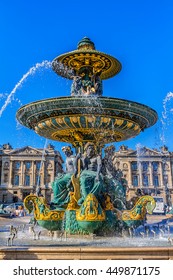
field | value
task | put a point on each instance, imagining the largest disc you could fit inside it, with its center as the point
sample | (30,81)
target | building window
(5,178)
(145,181)
(6,165)
(125,166)
(165,180)
(135,180)
(27,180)
(17,164)
(134,166)
(16,180)
(28,164)
(37,180)
(48,179)
(4,198)
(25,193)
(155,180)
(145,166)
(38,165)
(155,166)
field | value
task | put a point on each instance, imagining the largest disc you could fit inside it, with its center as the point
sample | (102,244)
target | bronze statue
(91,180)
(62,184)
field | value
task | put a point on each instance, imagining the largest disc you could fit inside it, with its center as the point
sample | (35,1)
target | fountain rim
(88,97)
(34,114)
(111,72)
(148,115)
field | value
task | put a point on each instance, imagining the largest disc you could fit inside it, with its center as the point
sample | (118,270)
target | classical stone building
(151,170)
(23,170)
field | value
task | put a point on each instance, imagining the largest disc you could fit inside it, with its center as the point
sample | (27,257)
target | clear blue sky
(138,33)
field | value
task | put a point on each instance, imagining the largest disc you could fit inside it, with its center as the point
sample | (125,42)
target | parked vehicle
(15,209)
(160,205)
(3,212)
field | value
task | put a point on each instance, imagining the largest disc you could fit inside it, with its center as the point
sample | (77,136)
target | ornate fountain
(91,195)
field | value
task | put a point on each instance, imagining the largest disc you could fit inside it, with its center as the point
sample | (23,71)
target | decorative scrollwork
(138,212)
(41,210)
(90,210)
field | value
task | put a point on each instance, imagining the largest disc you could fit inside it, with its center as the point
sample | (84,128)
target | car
(160,205)
(14,208)
(9,207)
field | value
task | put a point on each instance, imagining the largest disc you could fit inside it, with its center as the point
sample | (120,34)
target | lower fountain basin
(89,226)
(81,247)
(50,224)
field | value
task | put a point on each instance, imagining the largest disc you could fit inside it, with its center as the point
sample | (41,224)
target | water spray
(31,71)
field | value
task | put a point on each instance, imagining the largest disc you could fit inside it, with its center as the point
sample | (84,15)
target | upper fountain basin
(86,57)
(81,119)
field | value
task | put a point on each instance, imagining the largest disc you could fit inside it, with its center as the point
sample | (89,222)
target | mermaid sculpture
(63,184)
(115,184)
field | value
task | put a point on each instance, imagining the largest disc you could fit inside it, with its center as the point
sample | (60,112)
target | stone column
(130,174)
(161,175)
(11,173)
(32,173)
(43,174)
(2,175)
(140,174)
(151,174)
(169,176)
(22,174)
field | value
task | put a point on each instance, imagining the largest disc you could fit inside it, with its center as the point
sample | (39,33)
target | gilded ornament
(138,212)
(41,210)
(89,210)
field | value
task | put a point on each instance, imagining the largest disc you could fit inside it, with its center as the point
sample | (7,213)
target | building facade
(23,170)
(149,170)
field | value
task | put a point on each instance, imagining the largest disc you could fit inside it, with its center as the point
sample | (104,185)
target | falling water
(3,95)
(138,153)
(32,70)
(168,97)
(63,70)
(42,159)
(165,119)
